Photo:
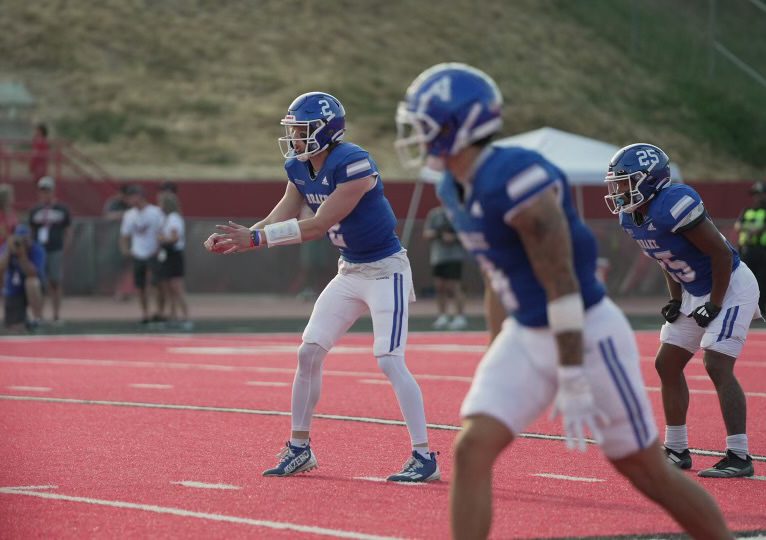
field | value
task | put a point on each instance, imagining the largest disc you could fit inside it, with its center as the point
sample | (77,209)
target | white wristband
(566,314)
(283,233)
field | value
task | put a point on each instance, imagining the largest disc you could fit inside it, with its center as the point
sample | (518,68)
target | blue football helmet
(446,108)
(313,121)
(636,173)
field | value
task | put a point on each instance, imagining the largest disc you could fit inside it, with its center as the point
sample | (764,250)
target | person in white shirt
(172,240)
(139,239)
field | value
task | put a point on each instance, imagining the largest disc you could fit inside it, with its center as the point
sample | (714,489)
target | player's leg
(388,301)
(480,442)
(334,312)
(630,435)
(503,399)
(723,342)
(680,340)
(682,498)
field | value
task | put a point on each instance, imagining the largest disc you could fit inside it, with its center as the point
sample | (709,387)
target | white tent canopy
(583,160)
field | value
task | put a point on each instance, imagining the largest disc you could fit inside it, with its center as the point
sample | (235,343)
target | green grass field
(196,89)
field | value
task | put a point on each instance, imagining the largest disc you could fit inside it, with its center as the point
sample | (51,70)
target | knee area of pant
(310,355)
(389,363)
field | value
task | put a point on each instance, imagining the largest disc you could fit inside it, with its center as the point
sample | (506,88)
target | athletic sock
(738,444)
(301,443)
(676,438)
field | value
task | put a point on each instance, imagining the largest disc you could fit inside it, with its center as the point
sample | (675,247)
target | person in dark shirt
(50,221)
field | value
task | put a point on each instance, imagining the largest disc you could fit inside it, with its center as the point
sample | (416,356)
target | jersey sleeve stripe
(524,182)
(357,167)
(693,214)
(681,205)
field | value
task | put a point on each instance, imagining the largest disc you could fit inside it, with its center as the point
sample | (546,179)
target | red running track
(106,430)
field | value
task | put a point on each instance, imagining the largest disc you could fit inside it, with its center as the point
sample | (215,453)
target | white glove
(574,402)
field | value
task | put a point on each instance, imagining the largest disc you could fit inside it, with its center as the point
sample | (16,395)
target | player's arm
(235,238)
(544,231)
(244,238)
(288,207)
(337,206)
(674,288)
(672,310)
(494,312)
(708,239)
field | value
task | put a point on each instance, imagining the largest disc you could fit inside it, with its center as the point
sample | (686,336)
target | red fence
(238,199)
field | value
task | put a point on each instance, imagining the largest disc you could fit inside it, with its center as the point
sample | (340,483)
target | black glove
(706,313)
(671,310)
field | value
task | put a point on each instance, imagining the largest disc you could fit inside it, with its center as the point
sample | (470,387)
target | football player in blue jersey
(564,343)
(713,296)
(341,183)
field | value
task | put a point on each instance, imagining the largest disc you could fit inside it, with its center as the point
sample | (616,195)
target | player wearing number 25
(713,296)
(564,343)
(341,183)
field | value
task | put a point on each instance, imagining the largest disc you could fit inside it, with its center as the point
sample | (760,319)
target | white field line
(29,388)
(266,349)
(228,337)
(13,359)
(362,419)
(204,485)
(570,478)
(278,525)
(291,371)
(378,479)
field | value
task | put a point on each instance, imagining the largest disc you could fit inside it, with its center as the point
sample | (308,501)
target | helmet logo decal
(326,112)
(442,89)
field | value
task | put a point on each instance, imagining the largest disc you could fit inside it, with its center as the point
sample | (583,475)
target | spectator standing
(751,226)
(38,162)
(116,205)
(23,262)
(446,258)
(139,239)
(8,219)
(51,227)
(114,208)
(172,241)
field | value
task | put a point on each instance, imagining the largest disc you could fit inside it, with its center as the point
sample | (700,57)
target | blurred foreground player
(565,343)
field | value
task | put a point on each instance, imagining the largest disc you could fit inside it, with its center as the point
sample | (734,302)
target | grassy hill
(194,88)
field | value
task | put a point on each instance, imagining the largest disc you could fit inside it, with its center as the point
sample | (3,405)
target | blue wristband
(255,238)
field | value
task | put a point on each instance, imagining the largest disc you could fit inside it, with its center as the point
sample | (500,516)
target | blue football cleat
(293,460)
(418,469)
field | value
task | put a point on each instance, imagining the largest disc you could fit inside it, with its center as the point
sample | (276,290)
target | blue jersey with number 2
(367,233)
(505,179)
(661,238)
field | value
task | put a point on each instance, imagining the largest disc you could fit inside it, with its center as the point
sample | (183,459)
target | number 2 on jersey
(336,237)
